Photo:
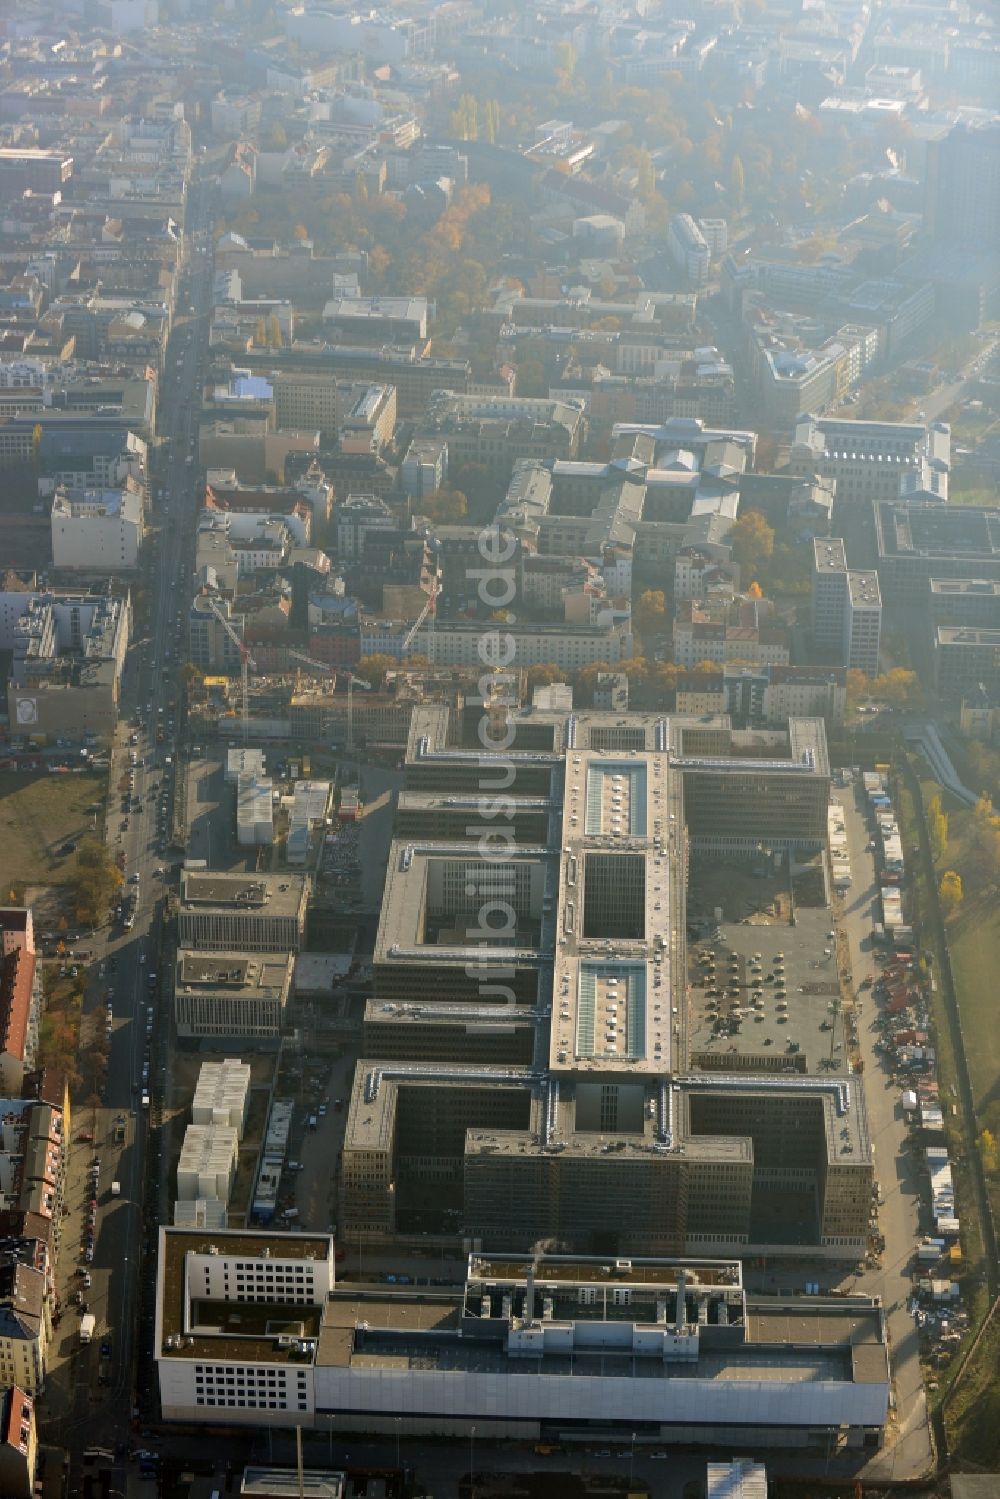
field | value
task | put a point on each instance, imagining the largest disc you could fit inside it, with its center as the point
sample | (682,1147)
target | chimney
(681,1299)
(529,1296)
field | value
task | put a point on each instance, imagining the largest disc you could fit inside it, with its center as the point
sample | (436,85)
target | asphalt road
(908,1453)
(77,1408)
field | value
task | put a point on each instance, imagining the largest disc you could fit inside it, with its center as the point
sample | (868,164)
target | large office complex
(915,543)
(534,1068)
(251,1327)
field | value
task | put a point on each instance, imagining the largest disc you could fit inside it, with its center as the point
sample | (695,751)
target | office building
(232,996)
(622,1112)
(459,642)
(551,1347)
(306,401)
(846,609)
(872,461)
(689,249)
(915,543)
(425,467)
(98,531)
(25,170)
(254,913)
(376,321)
(962,185)
(211,647)
(497,431)
(965,659)
(67,657)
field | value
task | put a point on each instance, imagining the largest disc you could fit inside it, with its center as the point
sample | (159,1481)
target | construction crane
(352,682)
(247,662)
(414,629)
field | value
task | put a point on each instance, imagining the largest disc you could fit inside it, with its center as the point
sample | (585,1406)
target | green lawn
(38,813)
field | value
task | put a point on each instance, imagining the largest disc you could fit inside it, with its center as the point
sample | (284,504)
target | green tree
(950,892)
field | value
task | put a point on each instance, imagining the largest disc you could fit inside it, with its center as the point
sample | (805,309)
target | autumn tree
(543,675)
(752,542)
(937,828)
(465,118)
(376,667)
(651,612)
(989,1153)
(950,892)
(737,181)
(445,506)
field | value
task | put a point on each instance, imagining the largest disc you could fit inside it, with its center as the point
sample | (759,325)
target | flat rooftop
(248,974)
(513,1269)
(619,922)
(232,1330)
(276,895)
(763,990)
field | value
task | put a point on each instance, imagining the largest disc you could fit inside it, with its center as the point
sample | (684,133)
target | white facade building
(207,1164)
(222,1092)
(548,1346)
(97,531)
(689,249)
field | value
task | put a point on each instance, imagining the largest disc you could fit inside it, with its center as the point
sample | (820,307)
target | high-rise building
(846,608)
(962,186)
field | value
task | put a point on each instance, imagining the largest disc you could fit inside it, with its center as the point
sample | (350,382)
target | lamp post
(472,1462)
(631,1461)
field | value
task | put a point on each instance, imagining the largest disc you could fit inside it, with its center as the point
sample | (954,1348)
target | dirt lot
(38,814)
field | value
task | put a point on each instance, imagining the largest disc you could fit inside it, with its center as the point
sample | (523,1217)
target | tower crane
(414,629)
(352,682)
(246,662)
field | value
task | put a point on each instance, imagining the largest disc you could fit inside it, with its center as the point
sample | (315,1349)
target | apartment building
(242,912)
(305,401)
(232,995)
(18,1443)
(24,1323)
(416,377)
(20,997)
(846,608)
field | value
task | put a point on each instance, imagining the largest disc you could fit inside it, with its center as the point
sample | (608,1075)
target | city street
(908,1452)
(125,982)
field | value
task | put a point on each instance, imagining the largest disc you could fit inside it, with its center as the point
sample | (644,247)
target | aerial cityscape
(499,741)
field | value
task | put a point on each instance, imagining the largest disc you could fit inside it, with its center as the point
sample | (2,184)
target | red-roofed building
(18,1444)
(20,997)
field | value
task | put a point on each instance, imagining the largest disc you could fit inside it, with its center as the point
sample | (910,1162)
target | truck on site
(87,1326)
